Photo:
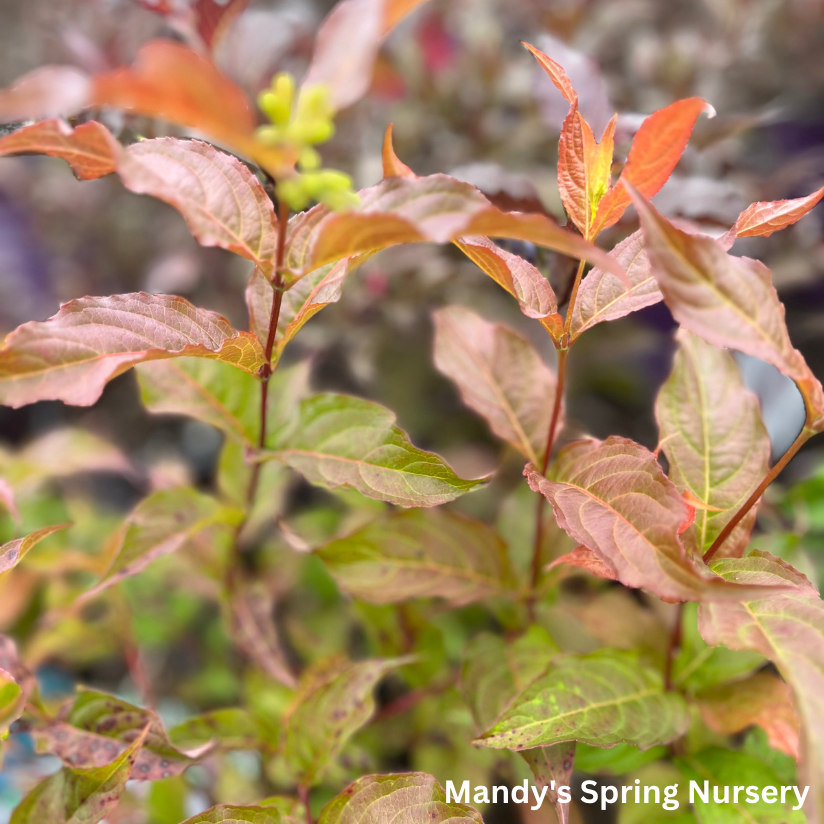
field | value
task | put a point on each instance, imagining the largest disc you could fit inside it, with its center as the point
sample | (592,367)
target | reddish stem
(674,646)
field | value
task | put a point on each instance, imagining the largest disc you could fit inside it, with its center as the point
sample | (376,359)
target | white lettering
(696,790)
(523,792)
(769,795)
(539,799)
(564,796)
(505,793)
(752,795)
(588,794)
(670,801)
(481,795)
(608,789)
(452,794)
(800,797)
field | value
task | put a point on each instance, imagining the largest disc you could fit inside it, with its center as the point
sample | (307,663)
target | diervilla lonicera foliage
(507,694)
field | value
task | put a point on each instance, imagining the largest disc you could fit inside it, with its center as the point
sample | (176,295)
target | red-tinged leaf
(717,447)
(96,727)
(789,630)
(8,500)
(552,768)
(72,356)
(588,560)
(229,814)
(251,611)
(769,216)
(500,376)
(393,166)
(729,301)
(10,663)
(12,553)
(220,198)
(603,297)
(555,73)
(612,497)
(655,152)
(208,19)
(437,208)
(90,149)
(50,91)
(763,700)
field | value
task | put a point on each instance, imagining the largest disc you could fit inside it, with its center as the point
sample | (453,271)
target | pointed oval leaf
(12,553)
(79,796)
(496,671)
(162,524)
(393,166)
(90,149)
(552,768)
(603,296)
(555,72)
(766,217)
(344,441)
(221,199)
(409,798)
(46,92)
(227,814)
(787,629)
(655,152)
(500,376)
(728,301)
(601,699)
(717,447)
(420,554)
(613,497)
(71,356)
(231,728)
(334,701)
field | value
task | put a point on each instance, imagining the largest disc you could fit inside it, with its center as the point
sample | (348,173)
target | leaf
(437,208)
(221,199)
(12,553)
(519,277)
(552,767)
(251,612)
(602,699)
(764,218)
(90,341)
(79,796)
(585,559)
(717,447)
(12,701)
(603,297)
(231,728)
(655,152)
(699,667)
(227,814)
(162,524)
(725,769)
(500,376)
(90,149)
(97,726)
(726,300)
(763,700)
(46,92)
(788,629)
(420,554)
(612,497)
(211,20)
(343,441)
(334,701)
(496,671)
(409,798)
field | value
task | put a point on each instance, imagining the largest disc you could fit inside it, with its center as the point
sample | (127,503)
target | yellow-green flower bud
(292,192)
(309,160)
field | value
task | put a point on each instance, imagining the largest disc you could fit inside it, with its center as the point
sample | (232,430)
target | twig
(674,646)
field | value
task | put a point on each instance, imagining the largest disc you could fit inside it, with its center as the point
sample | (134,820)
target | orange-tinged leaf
(555,72)
(72,356)
(393,166)
(763,700)
(588,560)
(767,217)
(604,297)
(788,629)
(717,447)
(655,152)
(90,149)
(50,91)
(12,553)
(729,301)
(613,498)
(499,375)
(220,198)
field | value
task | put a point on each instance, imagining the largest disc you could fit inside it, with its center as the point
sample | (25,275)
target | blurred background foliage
(465,99)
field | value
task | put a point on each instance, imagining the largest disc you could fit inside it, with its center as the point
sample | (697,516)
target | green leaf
(161,524)
(496,671)
(617,760)
(344,441)
(601,699)
(12,700)
(79,796)
(334,701)
(727,769)
(552,767)
(714,440)
(789,630)
(226,814)
(290,809)
(97,726)
(660,775)
(12,553)
(232,728)
(420,554)
(410,798)
(699,666)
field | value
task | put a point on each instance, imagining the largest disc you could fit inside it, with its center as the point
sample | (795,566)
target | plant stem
(725,533)
(573,295)
(303,795)
(674,646)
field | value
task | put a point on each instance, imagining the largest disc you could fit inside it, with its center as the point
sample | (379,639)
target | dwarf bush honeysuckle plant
(702,657)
